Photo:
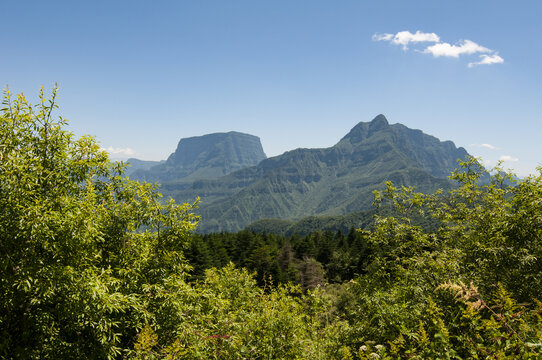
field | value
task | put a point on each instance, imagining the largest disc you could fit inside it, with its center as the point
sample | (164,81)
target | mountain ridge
(325,181)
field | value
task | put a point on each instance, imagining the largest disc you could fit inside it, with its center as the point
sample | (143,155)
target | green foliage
(308,261)
(465,326)
(227,316)
(489,237)
(404,281)
(79,242)
(95,265)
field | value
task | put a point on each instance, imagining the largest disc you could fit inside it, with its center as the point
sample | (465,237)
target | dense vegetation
(94,265)
(342,224)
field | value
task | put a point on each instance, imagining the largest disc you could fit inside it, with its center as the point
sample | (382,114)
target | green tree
(198,255)
(80,244)
(488,236)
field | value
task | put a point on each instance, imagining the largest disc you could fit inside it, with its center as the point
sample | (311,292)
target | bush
(79,242)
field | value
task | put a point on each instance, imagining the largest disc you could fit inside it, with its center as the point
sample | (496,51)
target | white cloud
(119,151)
(508,158)
(488,60)
(487,146)
(463,47)
(382,37)
(405,37)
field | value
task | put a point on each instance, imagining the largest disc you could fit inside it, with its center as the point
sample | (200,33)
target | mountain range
(304,182)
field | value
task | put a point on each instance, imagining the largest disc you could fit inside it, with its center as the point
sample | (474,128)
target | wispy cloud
(448,50)
(442,49)
(488,60)
(487,146)
(119,151)
(382,37)
(405,37)
(508,158)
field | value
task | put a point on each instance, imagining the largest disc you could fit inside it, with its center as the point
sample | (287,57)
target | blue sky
(140,75)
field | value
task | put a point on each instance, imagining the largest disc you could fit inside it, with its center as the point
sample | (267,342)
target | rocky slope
(206,157)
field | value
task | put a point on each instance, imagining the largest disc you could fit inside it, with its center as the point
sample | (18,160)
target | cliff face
(206,157)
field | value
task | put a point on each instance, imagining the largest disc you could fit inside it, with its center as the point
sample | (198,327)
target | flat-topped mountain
(330,181)
(206,157)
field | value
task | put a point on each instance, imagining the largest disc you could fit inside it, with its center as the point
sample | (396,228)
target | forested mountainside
(335,223)
(205,157)
(328,181)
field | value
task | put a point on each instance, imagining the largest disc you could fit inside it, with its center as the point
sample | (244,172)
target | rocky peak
(378,123)
(363,130)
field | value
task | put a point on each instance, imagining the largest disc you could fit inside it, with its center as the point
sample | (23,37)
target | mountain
(355,220)
(137,165)
(311,224)
(331,181)
(205,157)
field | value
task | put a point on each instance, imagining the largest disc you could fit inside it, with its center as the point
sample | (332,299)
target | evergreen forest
(94,265)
